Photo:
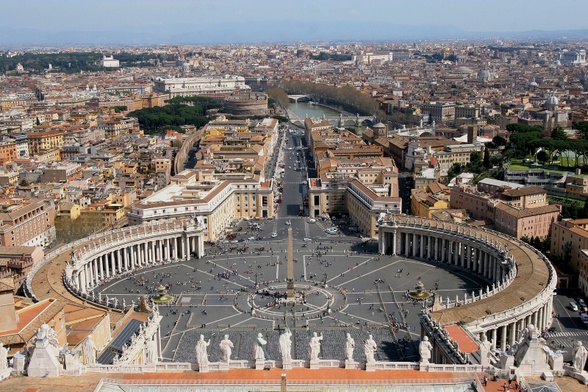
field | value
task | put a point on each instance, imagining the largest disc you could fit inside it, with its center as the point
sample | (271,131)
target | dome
(533,83)
(552,100)
(379,125)
(485,74)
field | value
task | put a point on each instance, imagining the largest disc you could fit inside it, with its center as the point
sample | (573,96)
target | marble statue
(90,351)
(3,357)
(369,348)
(425,350)
(314,346)
(201,354)
(485,351)
(580,354)
(151,350)
(349,347)
(226,347)
(259,348)
(286,345)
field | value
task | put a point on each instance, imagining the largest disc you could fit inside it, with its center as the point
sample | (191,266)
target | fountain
(162,296)
(419,292)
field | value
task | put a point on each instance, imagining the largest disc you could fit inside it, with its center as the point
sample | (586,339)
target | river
(298,111)
(301,110)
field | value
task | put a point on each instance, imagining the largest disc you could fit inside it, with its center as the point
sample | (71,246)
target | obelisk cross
(290,277)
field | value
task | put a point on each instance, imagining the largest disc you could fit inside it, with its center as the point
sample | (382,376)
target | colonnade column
(200,241)
(394,241)
(503,338)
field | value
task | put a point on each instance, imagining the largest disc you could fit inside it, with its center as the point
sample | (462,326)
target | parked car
(274,235)
(573,306)
(311,220)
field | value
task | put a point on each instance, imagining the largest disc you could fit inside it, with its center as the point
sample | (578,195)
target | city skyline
(228,21)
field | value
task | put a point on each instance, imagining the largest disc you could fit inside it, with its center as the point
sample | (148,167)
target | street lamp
(325,276)
(256,285)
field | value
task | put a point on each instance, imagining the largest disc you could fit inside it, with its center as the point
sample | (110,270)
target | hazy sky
(175,15)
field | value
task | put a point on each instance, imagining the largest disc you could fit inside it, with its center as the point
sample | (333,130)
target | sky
(169,17)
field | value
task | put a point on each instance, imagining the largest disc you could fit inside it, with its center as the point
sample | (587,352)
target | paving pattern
(364,294)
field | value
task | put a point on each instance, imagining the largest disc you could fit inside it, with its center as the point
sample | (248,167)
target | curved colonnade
(112,254)
(520,279)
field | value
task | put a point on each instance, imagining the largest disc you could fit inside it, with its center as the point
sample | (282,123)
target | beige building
(525,222)
(366,204)
(433,198)
(583,272)
(43,141)
(217,202)
(577,184)
(27,222)
(568,239)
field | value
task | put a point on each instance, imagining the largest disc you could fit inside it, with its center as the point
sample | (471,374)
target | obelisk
(290,271)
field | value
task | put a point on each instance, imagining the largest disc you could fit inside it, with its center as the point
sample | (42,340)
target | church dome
(552,100)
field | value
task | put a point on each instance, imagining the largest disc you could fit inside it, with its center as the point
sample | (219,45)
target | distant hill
(268,31)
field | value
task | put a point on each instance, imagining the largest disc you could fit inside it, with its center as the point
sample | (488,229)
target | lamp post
(325,276)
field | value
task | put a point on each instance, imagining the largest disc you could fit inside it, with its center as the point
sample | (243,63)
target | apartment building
(525,222)
(42,141)
(27,222)
(434,197)
(8,152)
(568,239)
(440,112)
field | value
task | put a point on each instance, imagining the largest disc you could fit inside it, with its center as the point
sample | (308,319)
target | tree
(542,156)
(582,126)
(486,157)
(559,134)
(279,95)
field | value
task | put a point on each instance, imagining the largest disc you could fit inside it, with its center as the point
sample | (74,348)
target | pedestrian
(504,387)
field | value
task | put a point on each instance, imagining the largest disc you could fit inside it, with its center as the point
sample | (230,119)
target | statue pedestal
(315,364)
(223,366)
(370,366)
(259,364)
(43,360)
(19,362)
(203,368)
(286,365)
(350,364)
(424,366)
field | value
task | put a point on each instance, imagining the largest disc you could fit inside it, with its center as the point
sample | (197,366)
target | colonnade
(463,251)
(109,257)
(488,255)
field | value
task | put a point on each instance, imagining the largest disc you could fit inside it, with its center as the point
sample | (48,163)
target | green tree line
(157,119)
(526,140)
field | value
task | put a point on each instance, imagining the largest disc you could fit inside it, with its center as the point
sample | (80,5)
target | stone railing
(442,338)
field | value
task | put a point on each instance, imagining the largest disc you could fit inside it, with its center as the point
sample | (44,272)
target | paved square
(238,290)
